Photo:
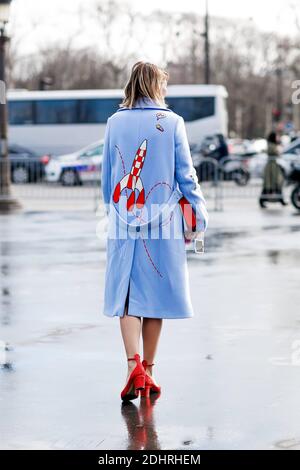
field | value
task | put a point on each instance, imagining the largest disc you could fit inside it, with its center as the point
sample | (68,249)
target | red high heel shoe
(136,380)
(150,385)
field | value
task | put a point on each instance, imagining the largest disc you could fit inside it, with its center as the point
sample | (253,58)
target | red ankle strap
(135,358)
(148,365)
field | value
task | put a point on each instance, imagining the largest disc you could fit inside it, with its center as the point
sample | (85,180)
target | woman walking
(154,202)
(273,179)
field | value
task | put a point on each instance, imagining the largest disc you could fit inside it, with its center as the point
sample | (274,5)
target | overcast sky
(58,18)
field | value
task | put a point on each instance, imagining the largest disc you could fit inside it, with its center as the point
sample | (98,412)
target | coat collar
(145,102)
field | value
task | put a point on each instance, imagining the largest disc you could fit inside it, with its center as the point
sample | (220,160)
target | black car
(26,166)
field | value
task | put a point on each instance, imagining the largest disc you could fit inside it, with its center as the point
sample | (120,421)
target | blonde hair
(145,81)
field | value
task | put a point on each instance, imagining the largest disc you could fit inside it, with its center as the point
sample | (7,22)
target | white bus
(58,122)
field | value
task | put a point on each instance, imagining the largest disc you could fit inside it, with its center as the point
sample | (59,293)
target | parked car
(26,166)
(294,179)
(78,167)
(293,148)
(247,147)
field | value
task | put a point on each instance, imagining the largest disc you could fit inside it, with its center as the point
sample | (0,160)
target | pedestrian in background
(273,178)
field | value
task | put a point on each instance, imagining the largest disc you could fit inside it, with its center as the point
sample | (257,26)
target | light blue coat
(147,170)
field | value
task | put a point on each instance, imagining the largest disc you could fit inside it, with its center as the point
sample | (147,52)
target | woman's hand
(189,236)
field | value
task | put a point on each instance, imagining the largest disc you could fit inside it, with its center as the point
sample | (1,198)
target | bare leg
(131,332)
(151,330)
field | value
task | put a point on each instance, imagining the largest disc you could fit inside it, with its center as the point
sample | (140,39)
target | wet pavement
(230,376)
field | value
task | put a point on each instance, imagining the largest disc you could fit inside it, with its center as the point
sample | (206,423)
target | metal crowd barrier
(219,180)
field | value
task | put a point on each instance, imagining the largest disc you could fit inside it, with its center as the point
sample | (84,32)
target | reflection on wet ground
(233,383)
(140,424)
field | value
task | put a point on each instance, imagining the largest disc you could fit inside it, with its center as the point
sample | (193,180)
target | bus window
(192,108)
(20,112)
(56,111)
(97,111)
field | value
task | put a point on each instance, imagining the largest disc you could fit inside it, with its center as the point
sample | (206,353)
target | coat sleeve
(193,204)
(106,169)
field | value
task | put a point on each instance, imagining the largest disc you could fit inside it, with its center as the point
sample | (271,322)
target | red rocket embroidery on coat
(121,185)
(133,180)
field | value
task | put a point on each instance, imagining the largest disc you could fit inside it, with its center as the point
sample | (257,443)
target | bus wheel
(69,178)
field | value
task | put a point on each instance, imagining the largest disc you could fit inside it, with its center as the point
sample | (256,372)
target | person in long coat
(154,203)
(273,178)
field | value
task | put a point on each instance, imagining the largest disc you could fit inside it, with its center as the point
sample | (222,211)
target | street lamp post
(7,202)
(206,46)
